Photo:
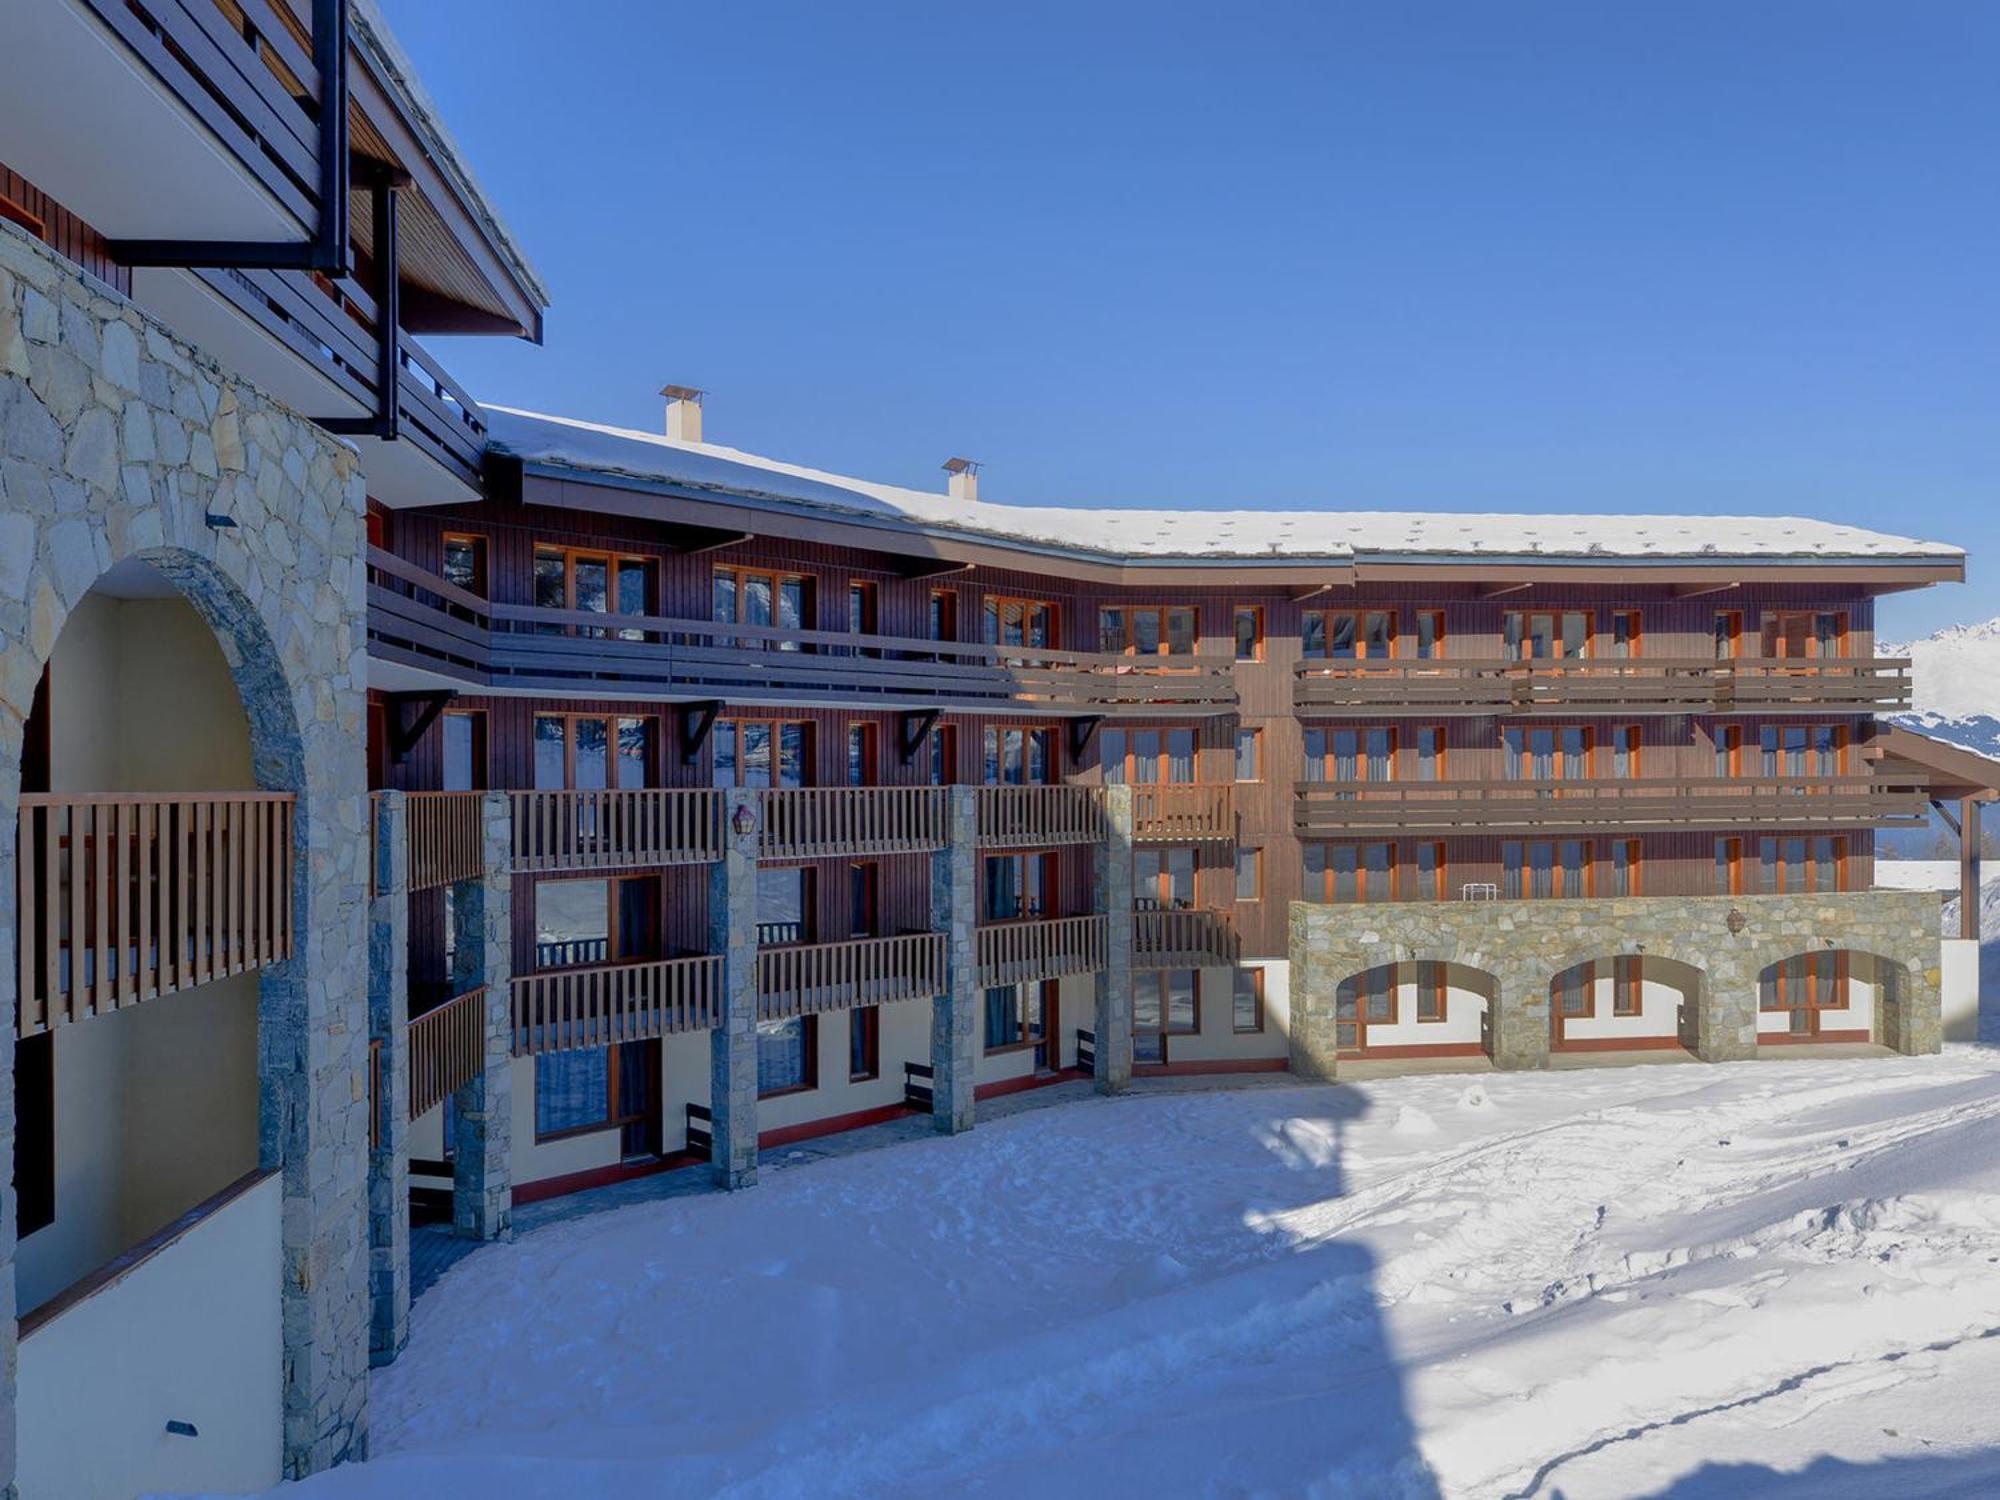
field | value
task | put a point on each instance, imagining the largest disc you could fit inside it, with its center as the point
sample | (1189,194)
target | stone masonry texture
(388,1018)
(732,932)
(482,1195)
(955,911)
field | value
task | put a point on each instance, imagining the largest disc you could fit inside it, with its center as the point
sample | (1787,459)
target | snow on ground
(1776,1277)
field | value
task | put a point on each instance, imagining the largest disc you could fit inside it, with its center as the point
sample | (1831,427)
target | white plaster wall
(1219,1040)
(1463,1013)
(1659,1013)
(1959,988)
(191,1334)
(156,1110)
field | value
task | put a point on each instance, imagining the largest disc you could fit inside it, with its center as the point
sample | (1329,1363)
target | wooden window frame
(1415,750)
(995,606)
(1051,874)
(1324,618)
(615,1119)
(1771,634)
(941,615)
(1131,612)
(1631,739)
(1558,757)
(1770,758)
(809,1026)
(1557,882)
(613,559)
(1416,635)
(777,578)
(1255,614)
(1130,761)
(1556,615)
(1327,762)
(1163,882)
(1441,874)
(1822,992)
(569,720)
(481,749)
(1329,883)
(869,595)
(1728,863)
(1256,854)
(993,750)
(809,908)
(940,752)
(1634,622)
(1628,985)
(1727,631)
(1634,863)
(869,1019)
(1430,981)
(808,750)
(868,922)
(1255,974)
(1728,742)
(870,738)
(1255,736)
(616,948)
(1771,874)
(481,565)
(1048,991)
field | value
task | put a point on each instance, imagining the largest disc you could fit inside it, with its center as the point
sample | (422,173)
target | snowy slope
(1767,1277)
(1957,695)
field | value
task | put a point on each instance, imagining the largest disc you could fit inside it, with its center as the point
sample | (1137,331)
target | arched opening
(1828,995)
(1416,1008)
(1625,1002)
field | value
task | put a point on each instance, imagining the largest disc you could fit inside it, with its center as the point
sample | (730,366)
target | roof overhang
(1952,771)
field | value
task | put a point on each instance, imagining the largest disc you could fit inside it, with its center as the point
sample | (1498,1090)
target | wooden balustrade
(814,977)
(1022,952)
(592,1007)
(123,897)
(1183,813)
(447,1049)
(824,822)
(1630,685)
(1500,806)
(1189,938)
(616,828)
(1039,817)
(447,840)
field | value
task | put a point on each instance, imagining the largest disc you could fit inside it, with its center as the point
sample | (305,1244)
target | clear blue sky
(1689,255)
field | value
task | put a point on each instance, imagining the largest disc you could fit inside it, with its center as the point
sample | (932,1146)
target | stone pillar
(10,785)
(482,1199)
(1111,895)
(1520,1018)
(1313,1039)
(1726,1015)
(955,1013)
(388,1035)
(732,1054)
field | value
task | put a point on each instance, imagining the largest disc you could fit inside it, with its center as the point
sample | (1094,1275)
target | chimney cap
(683,393)
(961,466)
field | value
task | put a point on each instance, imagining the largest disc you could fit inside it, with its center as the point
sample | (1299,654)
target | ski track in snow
(1570,1283)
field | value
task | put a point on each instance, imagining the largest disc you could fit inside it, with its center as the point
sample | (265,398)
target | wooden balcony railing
(1183,813)
(814,977)
(1039,817)
(1625,685)
(616,828)
(122,897)
(826,822)
(1022,952)
(419,620)
(1856,801)
(616,1003)
(1188,938)
(447,1049)
(447,842)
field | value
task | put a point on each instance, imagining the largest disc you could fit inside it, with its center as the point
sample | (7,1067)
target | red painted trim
(593,1177)
(1786,1039)
(1213,1065)
(1436,1049)
(1027,1081)
(1664,1041)
(789,1135)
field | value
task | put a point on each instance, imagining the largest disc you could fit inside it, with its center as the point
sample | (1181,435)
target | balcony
(615,828)
(632,1002)
(1039,817)
(1323,809)
(1049,948)
(441,635)
(1183,813)
(1631,685)
(127,896)
(809,978)
(1187,938)
(842,822)
(447,1050)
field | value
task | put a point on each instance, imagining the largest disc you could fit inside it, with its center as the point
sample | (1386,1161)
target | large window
(1801,987)
(1005,621)
(1623,867)
(465,562)
(1350,754)
(1347,873)
(589,752)
(1803,749)
(1430,634)
(786,909)
(598,583)
(1804,632)
(1429,878)
(787,1056)
(1018,757)
(1249,755)
(754,596)
(1247,1000)
(1018,886)
(1147,630)
(1542,634)
(581,922)
(1802,862)
(1729,866)
(464,751)
(1249,874)
(1545,867)
(762,752)
(1145,756)
(1548,752)
(1017,1015)
(1163,879)
(584,1089)
(1348,635)
(1427,745)
(1165,1003)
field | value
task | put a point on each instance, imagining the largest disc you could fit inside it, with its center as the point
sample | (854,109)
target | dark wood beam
(404,733)
(930,567)
(1969,891)
(704,539)
(384,181)
(1495,590)
(1697,590)
(912,729)
(1081,732)
(696,720)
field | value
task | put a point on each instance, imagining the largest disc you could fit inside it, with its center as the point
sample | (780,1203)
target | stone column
(732,1054)
(1111,895)
(1726,1015)
(955,1013)
(483,1111)
(1313,1039)
(1520,1018)
(388,1034)
(10,784)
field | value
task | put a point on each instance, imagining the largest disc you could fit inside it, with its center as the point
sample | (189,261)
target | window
(861,609)
(35,1132)
(1430,634)
(1792,633)
(1346,873)
(1246,1010)
(1428,980)
(1428,743)
(1622,631)
(1249,874)
(1627,985)
(1018,757)
(1018,886)
(599,583)
(1545,867)
(785,905)
(1624,739)
(787,1056)
(1428,864)
(1554,753)
(864,885)
(1017,622)
(1249,633)
(1146,756)
(1803,749)
(1546,635)
(1348,635)
(1249,755)
(943,617)
(1624,867)
(864,1043)
(1350,754)
(1165,1003)
(1016,1015)
(588,752)
(1163,879)
(862,766)
(748,596)
(943,755)
(1802,986)
(1729,750)
(762,752)
(578,1090)
(1802,862)
(1147,631)
(579,922)
(464,751)
(1729,867)
(465,562)
(1728,634)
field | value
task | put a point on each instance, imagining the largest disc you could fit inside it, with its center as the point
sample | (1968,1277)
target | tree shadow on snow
(1960,1476)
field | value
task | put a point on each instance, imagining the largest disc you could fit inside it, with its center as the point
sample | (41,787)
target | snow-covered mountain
(1957,674)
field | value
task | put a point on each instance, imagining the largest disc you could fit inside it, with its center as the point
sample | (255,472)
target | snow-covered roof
(1284,535)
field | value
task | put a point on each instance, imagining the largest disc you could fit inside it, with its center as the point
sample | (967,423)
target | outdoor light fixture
(1737,921)
(745,822)
(215,521)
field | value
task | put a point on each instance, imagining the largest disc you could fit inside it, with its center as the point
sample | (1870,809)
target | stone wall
(1523,945)
(116,441)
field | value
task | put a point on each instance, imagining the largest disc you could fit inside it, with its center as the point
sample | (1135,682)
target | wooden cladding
(814,977)
(615,828)
(447,1049)
(1721,802)
(1170,812)
(594,1007)
(1023,952)
(447,842)
(124,897)
(1191,938)
(1637,685)
(1039,817)
(825,822)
